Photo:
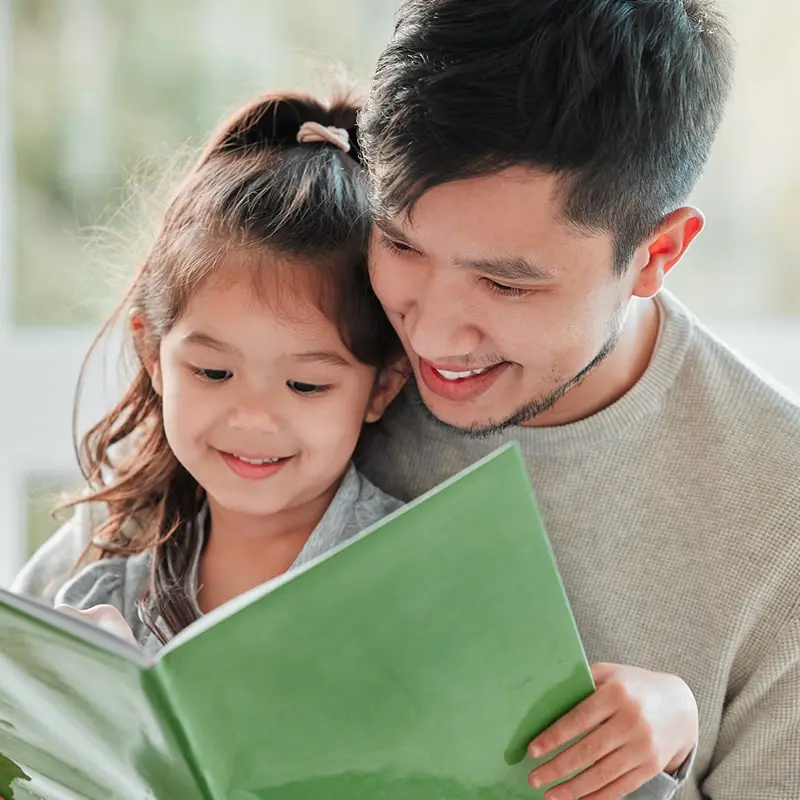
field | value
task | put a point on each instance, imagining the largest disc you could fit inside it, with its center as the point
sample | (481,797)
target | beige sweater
(675,519)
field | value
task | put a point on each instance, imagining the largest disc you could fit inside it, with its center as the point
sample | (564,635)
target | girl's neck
(243,550)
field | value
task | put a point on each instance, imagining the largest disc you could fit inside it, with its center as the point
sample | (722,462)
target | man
(531,162)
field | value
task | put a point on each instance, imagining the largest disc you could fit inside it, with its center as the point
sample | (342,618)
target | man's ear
(665,248)
(387,386)
(146,350)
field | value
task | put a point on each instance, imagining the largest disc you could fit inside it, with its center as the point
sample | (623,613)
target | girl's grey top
(122,581)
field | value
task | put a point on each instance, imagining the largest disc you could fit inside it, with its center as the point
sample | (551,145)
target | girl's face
(263,407)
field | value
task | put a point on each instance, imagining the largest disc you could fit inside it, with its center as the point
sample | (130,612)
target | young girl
(261,351)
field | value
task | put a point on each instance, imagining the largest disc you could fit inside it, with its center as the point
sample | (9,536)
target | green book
(415,662)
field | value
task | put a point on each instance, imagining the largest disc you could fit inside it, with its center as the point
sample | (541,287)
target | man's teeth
(457,376)
(258,461)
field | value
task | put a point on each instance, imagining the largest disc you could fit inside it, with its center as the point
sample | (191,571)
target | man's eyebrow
(322,357)
(509,268)
(391,230)
(204,340)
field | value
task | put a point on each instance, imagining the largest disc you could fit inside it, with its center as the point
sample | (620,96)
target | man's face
(502,307)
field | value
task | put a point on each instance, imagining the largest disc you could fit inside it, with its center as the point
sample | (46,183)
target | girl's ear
(387,386)
(148,355)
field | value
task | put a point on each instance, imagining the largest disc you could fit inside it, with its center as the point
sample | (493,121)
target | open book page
(81,714)
(83,630)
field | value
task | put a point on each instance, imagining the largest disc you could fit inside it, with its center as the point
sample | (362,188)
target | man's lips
(459,384)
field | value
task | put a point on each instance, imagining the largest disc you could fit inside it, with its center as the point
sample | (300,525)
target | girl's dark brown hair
(254,188)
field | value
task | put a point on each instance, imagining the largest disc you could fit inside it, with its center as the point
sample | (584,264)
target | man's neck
(615,375)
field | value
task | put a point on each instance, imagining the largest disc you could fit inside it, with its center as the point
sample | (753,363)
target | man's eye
(506,291)
(213,375)
(306,388)
(394,246)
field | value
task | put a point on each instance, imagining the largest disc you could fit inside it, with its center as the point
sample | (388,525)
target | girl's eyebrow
(322,357)
(311,356)
(204,340)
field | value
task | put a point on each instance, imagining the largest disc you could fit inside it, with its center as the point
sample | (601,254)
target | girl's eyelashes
(222,375)
(213,375)
(299,387)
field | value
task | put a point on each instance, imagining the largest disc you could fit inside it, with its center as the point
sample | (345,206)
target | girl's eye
(213,375)
(298,387)
(506,291)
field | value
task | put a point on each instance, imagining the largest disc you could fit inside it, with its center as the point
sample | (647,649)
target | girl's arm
(54,562)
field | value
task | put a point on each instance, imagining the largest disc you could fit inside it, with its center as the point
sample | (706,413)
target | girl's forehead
(236,306)
(262,282)
(285,307)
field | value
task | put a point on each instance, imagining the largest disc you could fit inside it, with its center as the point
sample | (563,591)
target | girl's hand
(637,724)
(104,616)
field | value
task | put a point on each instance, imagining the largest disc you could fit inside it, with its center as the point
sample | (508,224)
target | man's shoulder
(401,453)
(740,433)
(722,391)
(372,503)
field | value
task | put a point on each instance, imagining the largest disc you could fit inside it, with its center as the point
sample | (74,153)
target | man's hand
(637,724)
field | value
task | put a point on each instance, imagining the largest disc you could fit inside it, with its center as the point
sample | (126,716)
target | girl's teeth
(457,376)
(258,461)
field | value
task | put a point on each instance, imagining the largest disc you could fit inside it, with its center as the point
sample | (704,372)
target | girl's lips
(253,472)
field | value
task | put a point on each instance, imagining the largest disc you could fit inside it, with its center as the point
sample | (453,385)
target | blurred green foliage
(103,91)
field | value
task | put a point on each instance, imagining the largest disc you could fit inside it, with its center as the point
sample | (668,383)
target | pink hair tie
(314,132)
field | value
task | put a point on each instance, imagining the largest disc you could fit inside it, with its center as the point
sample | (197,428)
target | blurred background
(98,96)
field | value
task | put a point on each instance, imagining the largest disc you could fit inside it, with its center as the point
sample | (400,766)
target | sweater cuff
(665,785)
(684,770)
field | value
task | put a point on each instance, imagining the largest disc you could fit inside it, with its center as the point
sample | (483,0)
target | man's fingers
(603,672)
(592,712)
(622,786)
(581,755)
(602,780)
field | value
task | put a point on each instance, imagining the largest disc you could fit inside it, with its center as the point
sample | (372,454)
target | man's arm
(758,748)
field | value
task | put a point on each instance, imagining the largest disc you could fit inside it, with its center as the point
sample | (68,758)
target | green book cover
(414,662)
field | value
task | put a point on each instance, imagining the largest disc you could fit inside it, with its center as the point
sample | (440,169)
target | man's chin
(465,418)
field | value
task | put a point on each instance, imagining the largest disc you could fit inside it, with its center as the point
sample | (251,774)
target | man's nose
(440,327)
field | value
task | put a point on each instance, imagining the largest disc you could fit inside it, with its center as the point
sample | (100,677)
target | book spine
(157,687)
